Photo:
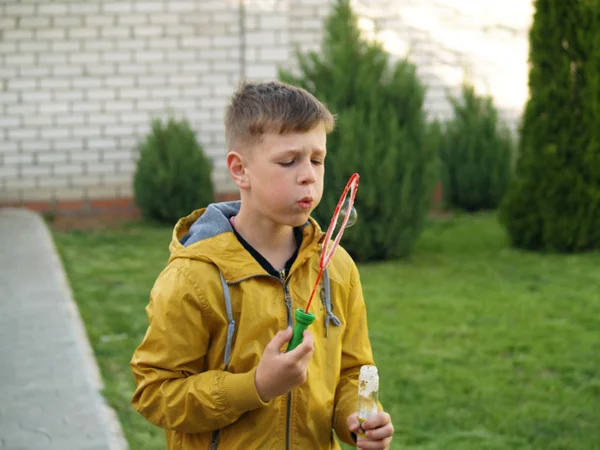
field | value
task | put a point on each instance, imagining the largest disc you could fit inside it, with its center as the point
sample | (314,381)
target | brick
(23,133)
(55,133)
(151,105)
(147,6)
(69,144)
(161,68)
(132,69)
(16,35)
(33,46)
(6,147)
(183,80)
(119,105)
(116,32)
(180,30)
(133,93)
(165,19)
(34,22)
(85,58)
(34,71)
(225,41)
(19,10)
(84,8)
(101,144)
(70,70)
(97,20)
(88,82)
(69,169)
(67,21)
(18,158)
(117,57)
(167,92)
(196,67)
(70,120)
(8,23)
(51,59)
(8,47)
(273,54)
(149,56)
(261,71)
(100,94)
(36,120)
(52,8)
(136,19)
(87,107)
(19,108)
(196,42)
(23,83)
(36,96)
(53,108)
(185,104)
(84,155)
(101,192)
(83,33)
(198,91)
(118,130)
(127,166)
(35,146)
(152,80)
(88,131)
(7,171)
(68,95)
(10,121)
(51,157)
(101,119)
(19,60)
(226,66)
(99,45)
(7,72)
(180,55)
(55,83)
(20,183)
(117,7)
(117,156)
(87,180)
(36,170)
(164,43)
(181,5)
(52,182)
(53,33)
(103,167)
(271,22)
(119,81)
(260,38)
(148,31)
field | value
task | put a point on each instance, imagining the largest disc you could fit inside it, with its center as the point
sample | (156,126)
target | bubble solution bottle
(368,390)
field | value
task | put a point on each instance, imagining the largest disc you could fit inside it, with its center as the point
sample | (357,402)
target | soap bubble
(351,212)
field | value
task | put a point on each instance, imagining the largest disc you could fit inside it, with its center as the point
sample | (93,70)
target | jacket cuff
(240,391)
(340,424)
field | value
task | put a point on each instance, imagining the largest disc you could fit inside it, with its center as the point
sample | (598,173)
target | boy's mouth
(306,203)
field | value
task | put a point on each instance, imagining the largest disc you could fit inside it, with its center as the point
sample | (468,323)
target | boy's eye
(286,163)
(317,161)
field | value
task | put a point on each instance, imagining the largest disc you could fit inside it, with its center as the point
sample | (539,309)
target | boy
(212,369)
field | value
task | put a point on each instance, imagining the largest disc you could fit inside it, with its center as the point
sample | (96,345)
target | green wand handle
(303,320)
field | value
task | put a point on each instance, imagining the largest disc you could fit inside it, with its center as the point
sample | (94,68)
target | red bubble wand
(345,205)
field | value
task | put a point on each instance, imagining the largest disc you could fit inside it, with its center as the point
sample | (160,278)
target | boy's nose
(307,174)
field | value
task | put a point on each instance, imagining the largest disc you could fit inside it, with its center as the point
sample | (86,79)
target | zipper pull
(282,275)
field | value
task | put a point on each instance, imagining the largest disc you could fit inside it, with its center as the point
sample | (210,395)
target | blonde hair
(275,107)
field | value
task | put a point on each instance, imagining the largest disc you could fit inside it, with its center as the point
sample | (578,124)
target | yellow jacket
(199,385)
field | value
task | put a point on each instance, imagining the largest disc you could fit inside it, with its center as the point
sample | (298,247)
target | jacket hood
(207,235)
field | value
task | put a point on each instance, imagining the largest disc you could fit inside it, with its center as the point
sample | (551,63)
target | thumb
(279,339)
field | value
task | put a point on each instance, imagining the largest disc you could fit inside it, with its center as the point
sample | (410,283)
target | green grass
(478,346)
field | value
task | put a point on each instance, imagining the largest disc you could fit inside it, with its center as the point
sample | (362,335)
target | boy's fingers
(377,421)
(278,340)
(378,434)
(305,348)
(353,423)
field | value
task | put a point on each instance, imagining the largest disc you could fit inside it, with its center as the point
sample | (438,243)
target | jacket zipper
(288,304)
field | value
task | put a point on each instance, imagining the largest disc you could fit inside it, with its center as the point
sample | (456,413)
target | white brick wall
(81,79)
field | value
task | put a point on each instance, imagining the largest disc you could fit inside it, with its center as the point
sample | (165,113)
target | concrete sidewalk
(49,382)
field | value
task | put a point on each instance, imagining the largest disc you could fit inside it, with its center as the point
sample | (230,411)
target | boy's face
(285,175)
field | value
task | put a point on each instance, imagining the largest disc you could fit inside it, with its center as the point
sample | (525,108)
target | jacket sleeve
(174,391)
(356,352)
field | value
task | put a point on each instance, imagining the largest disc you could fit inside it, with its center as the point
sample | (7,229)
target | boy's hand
(378,431)
(278,373)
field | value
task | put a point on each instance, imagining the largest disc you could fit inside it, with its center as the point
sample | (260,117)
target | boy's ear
(237,169)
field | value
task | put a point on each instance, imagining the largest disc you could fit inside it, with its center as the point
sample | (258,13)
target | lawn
(478,346)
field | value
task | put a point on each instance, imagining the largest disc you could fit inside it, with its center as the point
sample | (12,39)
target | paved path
(49,382)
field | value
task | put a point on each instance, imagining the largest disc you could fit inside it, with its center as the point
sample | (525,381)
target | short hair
(272,107)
